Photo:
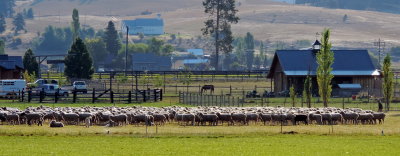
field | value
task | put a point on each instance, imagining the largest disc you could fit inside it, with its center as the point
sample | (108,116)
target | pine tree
(222,13)
(97,49)
(7,7)
(78,63)
(325,58)
(75,24)
(29,13)
(30,63)
(19,22)
(388,81)
(3,25)
(111,39)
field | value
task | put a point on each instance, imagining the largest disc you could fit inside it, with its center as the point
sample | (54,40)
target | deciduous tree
(325,58)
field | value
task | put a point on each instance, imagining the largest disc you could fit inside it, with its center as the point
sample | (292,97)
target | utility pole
(126,50)
(381,48)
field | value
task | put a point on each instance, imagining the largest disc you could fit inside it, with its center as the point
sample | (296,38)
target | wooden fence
(196,99)
(93,96)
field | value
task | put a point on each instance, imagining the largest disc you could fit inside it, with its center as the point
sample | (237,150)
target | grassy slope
(268,21)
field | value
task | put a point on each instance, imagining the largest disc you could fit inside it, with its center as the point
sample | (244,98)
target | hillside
(390,6)
(270,21)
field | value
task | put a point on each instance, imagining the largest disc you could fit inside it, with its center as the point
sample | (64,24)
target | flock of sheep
(195,116)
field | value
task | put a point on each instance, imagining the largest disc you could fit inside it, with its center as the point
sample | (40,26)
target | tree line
(391,6)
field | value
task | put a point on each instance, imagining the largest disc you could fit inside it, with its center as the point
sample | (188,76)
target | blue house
(147,26)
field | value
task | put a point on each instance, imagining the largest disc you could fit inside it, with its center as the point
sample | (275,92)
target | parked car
(80,86)
(51,90)
(40,82)
(10,88)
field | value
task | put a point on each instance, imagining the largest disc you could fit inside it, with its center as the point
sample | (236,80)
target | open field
(204,140)
(201,145)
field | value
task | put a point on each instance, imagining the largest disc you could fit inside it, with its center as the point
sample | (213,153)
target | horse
(207,87)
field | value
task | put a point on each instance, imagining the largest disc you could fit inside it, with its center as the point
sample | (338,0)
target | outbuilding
(291,67)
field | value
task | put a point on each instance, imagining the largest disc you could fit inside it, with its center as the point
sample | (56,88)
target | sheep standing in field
(54,124)
(88,122)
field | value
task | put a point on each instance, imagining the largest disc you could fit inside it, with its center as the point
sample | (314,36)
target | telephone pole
(381,48)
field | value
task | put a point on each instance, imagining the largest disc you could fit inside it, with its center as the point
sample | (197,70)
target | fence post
(112,96)
(41,94)
(22,95)
(29,96)
(230,90)
(74,96)
(343,103)
(130,97)
(144,95)
(56,95)
(155,95)
(262,101)
(161,94)
(93,95)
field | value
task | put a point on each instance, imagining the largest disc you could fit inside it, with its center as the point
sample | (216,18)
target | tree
(249,43)
(3,25)
(222,13)
(2,47)
(97,49)
(141,36)
(388,81)
(7,7)
(167,50)
(111,39)
(75,24)
(292,94)
(19,22)
(262,49)
(257,62)
(345,18)
(30,63)
(29,13)
(78,63)
(325,60)
(307,90)
(155,45)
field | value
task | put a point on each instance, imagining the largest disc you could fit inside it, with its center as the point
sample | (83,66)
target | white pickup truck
(51,90)
(80,86)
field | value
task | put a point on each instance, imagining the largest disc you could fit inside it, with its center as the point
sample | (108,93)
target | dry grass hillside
(267,20)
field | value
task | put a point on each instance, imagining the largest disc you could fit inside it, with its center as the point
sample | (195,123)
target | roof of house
(151,58)
(302,62)
(195,61)
(11,62)
(144,22)
(196,52)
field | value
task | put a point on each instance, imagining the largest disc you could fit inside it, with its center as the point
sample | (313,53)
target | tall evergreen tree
(29,13)
(111,39)
(19,22)
(75,24)
(222,13)
(7,7)
(325,58)
(388,81)
(78,63)
(30,63)
(3,25)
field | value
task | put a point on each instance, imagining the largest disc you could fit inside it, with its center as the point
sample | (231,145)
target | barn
(291,67)
(11,67)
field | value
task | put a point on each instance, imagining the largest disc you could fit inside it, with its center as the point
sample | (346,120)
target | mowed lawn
(201,145)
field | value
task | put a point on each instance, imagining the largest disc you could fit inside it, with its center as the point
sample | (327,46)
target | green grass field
(172,139)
